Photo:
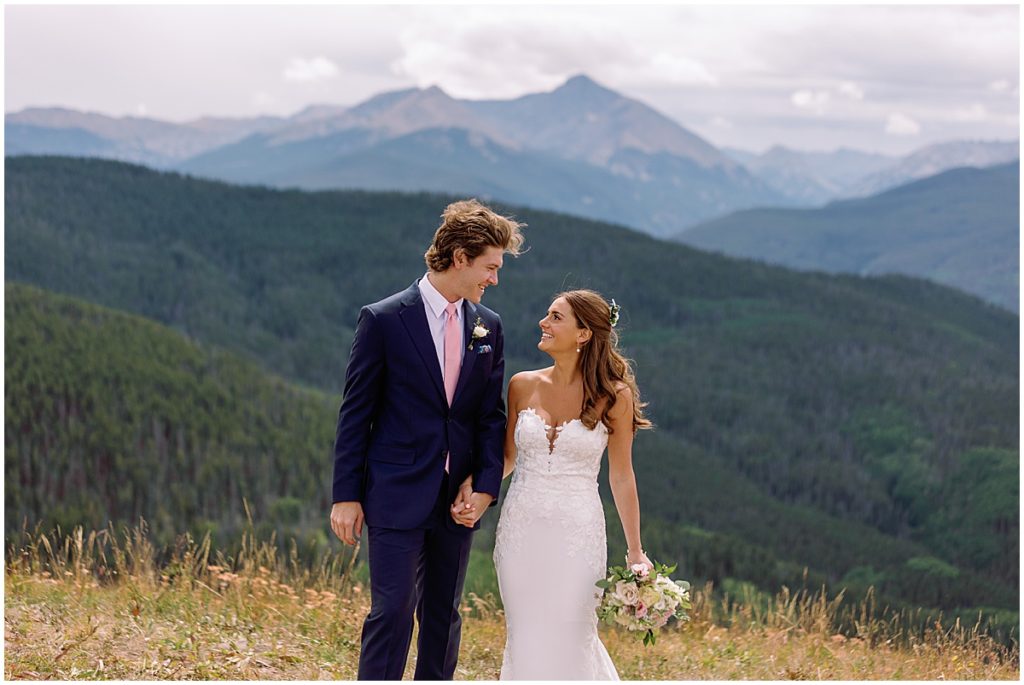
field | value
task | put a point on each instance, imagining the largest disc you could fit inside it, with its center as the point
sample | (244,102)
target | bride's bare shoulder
(529,378)
(523,383)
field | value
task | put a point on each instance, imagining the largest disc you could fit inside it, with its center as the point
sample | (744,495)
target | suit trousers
(419,571)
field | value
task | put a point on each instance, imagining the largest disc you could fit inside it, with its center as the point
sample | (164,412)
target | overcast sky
(888,79)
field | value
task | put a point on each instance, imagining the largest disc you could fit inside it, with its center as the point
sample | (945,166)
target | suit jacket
(395,426)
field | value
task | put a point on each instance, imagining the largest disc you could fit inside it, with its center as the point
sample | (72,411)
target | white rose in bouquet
(627,593)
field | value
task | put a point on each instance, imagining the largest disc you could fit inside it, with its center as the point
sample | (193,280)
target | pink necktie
(452,358)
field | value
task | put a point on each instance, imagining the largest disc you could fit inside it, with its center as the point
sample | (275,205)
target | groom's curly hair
(471,226)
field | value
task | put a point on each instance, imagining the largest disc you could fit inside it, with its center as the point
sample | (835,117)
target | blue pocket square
(483,349)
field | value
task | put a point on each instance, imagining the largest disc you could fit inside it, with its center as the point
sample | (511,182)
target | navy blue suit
(395,429)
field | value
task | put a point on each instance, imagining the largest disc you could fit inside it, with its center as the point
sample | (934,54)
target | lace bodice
(575,450)
(554,480)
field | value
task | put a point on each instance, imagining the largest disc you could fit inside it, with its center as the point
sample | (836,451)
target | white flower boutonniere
(479,332)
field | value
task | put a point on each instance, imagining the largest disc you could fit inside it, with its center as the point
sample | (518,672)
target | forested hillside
(862,428)
(111,417)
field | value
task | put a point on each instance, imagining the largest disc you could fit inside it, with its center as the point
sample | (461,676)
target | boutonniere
(479,332)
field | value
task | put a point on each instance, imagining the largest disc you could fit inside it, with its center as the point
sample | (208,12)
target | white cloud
(721,122)
(681,71)
(851,90)
(141,109)
(976,112)
(1005,87)
(507,51)
(307,70)
(449,55)
(262,99)
(930,46)
(900,124)
(814,100)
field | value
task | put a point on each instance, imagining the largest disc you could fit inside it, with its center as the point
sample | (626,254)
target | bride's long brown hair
(601,362)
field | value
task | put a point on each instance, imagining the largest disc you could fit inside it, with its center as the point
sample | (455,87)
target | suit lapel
(470,353)
(414,318)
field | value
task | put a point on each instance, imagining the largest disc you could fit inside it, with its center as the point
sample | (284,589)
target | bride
(550,547)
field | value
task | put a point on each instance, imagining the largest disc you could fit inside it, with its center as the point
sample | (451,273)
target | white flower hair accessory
(614,318)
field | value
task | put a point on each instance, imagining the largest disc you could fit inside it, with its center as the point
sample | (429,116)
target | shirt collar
(435,300)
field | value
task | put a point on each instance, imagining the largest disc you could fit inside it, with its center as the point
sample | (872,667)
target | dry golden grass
(96,607)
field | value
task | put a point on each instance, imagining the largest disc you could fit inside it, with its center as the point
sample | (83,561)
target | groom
(423,415)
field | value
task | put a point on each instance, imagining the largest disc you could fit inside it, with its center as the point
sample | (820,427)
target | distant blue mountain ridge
(581,148)
(960,228)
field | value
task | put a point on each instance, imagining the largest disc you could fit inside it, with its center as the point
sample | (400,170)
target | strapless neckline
(552,439)
(531,410)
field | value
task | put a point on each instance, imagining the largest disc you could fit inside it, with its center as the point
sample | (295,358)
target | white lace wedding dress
(550,550)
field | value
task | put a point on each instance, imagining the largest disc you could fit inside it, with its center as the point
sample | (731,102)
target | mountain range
(581,149)
(815,178)
(935,159)
(810,428)
(812,178)
(960,227)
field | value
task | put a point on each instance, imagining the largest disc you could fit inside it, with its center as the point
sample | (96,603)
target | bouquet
(642,599)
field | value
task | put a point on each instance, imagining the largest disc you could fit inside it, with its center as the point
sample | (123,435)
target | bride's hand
(462,514)
(462,508)
(638,557)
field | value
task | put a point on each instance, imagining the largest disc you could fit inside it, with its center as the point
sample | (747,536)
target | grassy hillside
(99,606)
(842,425)
(959,228)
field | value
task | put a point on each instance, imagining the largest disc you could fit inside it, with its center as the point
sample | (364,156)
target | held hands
(469,506)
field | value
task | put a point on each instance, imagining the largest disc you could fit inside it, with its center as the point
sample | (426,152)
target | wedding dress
(550,550)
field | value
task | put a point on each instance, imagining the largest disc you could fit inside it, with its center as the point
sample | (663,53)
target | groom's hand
(347,521)
(465,490)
